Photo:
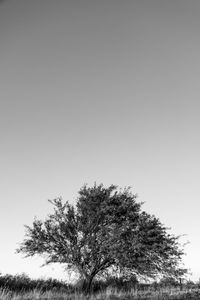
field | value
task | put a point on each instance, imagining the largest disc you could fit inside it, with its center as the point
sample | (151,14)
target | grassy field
(109,294)
(21,287)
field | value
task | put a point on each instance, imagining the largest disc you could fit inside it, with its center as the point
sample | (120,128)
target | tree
(106,230)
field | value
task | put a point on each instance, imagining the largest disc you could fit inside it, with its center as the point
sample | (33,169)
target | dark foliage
(22,283)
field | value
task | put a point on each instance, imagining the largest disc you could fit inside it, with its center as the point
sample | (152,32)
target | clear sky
(104,91)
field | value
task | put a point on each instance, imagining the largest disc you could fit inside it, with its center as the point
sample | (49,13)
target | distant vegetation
(105,233)
(21,287)
(23,283)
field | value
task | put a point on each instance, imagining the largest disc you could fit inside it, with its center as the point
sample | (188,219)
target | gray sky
(104,91)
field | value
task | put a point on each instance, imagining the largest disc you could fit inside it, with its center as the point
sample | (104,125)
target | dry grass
(109,294)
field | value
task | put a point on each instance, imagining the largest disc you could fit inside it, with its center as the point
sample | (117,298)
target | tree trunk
(181,286)
(88,284)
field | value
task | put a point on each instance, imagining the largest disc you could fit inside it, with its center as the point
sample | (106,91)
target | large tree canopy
(105,230)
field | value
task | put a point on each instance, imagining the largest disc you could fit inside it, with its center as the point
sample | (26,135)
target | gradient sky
(104,91)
